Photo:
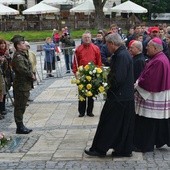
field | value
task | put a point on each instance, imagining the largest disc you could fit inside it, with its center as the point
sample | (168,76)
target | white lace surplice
(152,105)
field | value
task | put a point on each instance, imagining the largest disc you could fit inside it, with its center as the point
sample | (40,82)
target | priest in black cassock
(139,60)
(116,125)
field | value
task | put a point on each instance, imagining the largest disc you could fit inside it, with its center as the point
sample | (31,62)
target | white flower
(94,71)
(104,84)
(90,72)
(77,73)
(81,68)
(2,135)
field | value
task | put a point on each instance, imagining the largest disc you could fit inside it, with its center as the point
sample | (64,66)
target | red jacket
(85,54)
(57,37)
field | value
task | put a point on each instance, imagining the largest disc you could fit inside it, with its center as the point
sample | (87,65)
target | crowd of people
(61,40)
(5,74)
(136,112)
(17,69)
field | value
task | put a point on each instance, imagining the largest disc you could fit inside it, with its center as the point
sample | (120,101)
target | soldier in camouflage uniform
(23,82)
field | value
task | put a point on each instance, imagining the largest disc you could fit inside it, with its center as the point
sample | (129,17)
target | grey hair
(114,38)
(159,47)
(86,33)
(138,45)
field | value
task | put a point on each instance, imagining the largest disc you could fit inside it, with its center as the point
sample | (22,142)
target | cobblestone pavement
(59,136)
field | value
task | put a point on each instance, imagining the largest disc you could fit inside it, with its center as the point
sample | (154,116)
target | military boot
(1,115)
(4,112)
(21,129)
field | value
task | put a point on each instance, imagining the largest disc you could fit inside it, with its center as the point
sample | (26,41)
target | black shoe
(94,153)
(68,71)
(30,100)
(50,75)
(4,112)
(90,114)
(137,150)
(81,115)
(116,154)
(23,130)
(1,117)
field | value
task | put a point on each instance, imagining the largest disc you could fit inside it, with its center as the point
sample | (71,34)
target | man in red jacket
(85,53)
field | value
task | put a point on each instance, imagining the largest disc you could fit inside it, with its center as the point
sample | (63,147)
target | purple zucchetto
(157,41)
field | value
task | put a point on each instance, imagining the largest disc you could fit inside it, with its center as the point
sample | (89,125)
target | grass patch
(40,35)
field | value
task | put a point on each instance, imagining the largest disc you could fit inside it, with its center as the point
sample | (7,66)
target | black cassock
(138,65)
(116,125)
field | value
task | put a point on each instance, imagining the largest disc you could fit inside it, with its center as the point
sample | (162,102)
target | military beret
(17,38)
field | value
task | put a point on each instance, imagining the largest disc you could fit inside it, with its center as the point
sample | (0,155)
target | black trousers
(82,106)
(68,61)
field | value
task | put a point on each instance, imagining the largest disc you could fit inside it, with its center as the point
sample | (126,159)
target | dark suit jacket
(120,78)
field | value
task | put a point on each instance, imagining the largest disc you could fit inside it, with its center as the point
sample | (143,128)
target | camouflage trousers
(20,102)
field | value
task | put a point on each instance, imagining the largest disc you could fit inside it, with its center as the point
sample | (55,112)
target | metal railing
(60,63)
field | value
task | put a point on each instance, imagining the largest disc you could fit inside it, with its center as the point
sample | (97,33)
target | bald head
(154,46)
(138,44)
(136,48)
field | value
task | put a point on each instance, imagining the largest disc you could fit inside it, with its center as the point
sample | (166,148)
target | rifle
(6,85)
(7,91)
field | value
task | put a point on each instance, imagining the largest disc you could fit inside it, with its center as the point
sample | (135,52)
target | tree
(99,14)
(153,6)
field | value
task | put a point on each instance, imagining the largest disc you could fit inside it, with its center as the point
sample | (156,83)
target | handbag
(58,58)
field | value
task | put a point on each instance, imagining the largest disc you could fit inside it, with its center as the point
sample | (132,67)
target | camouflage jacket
(23,72)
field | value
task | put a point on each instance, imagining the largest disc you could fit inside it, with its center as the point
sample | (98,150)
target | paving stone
(59,136)
(68,154)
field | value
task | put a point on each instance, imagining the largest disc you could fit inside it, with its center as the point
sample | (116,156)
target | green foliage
(3,140)
(78,33)
(40,35)
(91,81)
(29,35)
(155,6)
